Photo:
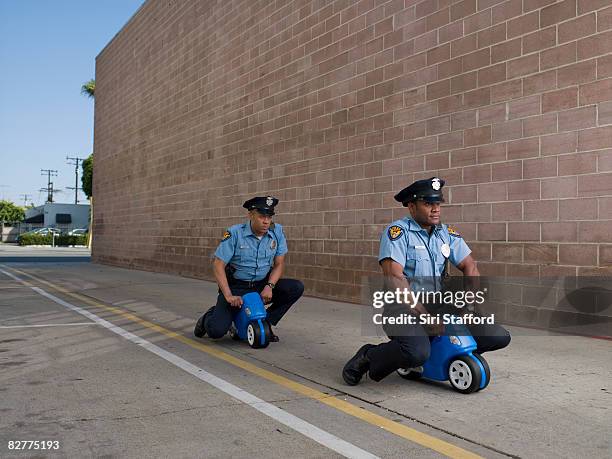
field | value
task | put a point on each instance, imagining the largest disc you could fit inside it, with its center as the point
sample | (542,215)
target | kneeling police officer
(250,258)
(417,247)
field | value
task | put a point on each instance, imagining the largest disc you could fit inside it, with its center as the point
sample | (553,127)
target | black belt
(247,284)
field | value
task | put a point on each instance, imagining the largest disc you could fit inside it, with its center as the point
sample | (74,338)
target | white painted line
(305,428)
(47,325)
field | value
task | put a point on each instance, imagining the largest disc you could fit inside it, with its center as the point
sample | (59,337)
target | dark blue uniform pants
(284,295)
(412,348)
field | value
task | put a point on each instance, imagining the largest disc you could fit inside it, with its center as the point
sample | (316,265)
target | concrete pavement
(102,395)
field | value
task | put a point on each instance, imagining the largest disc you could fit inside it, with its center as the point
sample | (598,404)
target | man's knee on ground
(215,331)
(414,356)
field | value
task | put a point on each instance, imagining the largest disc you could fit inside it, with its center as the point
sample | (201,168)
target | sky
(47,51)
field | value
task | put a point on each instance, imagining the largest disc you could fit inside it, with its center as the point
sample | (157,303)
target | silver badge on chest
(445,249)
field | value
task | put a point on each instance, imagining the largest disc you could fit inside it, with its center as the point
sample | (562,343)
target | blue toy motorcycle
(250,322)
(453,359)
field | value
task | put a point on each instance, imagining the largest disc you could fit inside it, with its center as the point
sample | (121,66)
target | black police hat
(263,204)
(427,190)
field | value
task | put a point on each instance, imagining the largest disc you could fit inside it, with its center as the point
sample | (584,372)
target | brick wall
(333,106)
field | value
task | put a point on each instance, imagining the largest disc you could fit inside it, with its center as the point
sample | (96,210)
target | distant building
(62,216)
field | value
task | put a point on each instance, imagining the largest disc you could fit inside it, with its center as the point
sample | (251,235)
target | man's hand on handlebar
(266,294)
(234,301)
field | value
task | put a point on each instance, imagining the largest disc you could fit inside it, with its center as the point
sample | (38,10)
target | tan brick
(584,6)
(582,72)
(539,125)
(530,5)
(580,163)
(510,170)
(478,136)
(594,231)
(506,91)
(540,82)
(523,66)
(540,167)
(492,192)
(477,213)
(541,210)
(464,194)
(539,40)
(604,66)
(579,118)
(523,190)
(476,22)
(462,9)
(463,82)
(492,35)
(524,107)
(438,89)
(508,253)
(558,56)
(463,120)
(464,45)
(558,12)
(507,131)
(578,209)
(605,255)
(507,10)
(595,139)
(492,114)
(578,254)
(523,231)
(597,91)
(491,153)
(604,113)
(476,60)
(604,19)
(577,28)
(491,231)
(605,208)
(560,232)
(477,174)
(595,184)
(508,211)
(595,45)
(523,148)
(559,100)
(604,161)
(560,187)
(505,51)
(492,75)
(559,143)
(540,253)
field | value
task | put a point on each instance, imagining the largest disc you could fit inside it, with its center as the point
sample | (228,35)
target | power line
(76,188)
(25,199)
(49,173)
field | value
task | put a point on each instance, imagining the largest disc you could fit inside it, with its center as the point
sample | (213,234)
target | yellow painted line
(396,428)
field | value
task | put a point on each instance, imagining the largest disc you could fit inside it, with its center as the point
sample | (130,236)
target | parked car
(41,231)
(78,232)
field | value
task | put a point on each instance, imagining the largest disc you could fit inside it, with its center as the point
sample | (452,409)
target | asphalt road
(102,360)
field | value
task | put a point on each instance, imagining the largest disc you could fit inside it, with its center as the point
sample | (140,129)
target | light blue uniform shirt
(251,257)
(420,253)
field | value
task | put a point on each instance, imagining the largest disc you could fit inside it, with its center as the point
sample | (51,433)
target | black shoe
(199,331)
(273,338)
(355,368)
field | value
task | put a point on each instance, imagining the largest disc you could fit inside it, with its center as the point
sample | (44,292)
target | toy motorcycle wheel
(487,370)
(464,375)
(234,333)
(254,337)
(410,373)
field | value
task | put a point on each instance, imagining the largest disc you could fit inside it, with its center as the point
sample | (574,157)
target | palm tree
(89,88)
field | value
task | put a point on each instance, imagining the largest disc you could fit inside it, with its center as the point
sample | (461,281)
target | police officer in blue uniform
(250,258)
(414,254)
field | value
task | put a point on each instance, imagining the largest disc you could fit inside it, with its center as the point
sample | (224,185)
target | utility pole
(76,177)
(49,173)
(25,199)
